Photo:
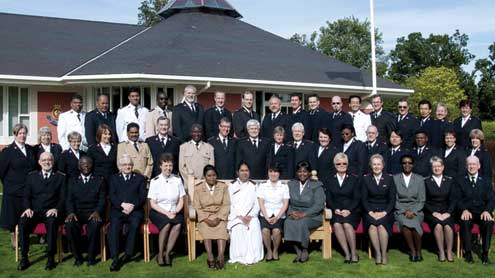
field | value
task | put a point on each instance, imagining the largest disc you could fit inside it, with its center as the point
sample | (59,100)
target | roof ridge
(70,19)
(106,52)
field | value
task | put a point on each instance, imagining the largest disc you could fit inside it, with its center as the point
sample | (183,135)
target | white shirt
(420,150)
(302,186)
(340,179)
(125,116)
(320,150)
(273,197)
(85,178)
(22,148)
(407,179)
(106,148)
(67,123)
(449,150)
(76,153)
(210,189)
(475,177)
(46,173)
(277,147)
(166,191)
(438,180)
(464,120)
(473,151)
(47,148)
(347,145)
(377,178)
(361,122)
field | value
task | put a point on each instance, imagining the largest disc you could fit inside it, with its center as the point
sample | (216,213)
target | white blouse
(273,196)
(166,191)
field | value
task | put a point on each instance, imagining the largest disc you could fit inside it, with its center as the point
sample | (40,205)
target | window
(118,96)
(170,93)
(285,99)
(18,106)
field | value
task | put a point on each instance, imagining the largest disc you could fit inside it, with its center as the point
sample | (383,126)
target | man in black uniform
(422,153)
(428,124)
(253,150)
(465,123)
(85,205)
(407,123)
(101,115)
(43,202)
(374,145)
(476,205)
(186,114)
(214,114)
(162,143)
(127,194)
(243,115)
(224,149)
(299,115)
(303,148)
(383,120)
(275,118)
(338,118)
(317,118)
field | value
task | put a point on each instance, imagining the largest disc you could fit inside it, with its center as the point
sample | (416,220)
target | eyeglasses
(402,107)
(340,164)
(336,103)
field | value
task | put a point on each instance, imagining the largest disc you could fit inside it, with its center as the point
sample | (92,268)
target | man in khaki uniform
(161,110)
(137,150)
(195,154)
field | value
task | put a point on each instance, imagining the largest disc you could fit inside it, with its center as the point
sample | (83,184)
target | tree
(485,68)
(348,40)
(148,10)
(437,85)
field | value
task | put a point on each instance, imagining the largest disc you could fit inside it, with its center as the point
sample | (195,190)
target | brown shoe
(211,264)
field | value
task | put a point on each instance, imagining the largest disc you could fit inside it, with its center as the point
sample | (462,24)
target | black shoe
(419,258)
(356,261)
(125,259)
(116,265)
(412,258)
(50,264)
(484,259)
(92,262)
(168,260)
(346,261)
(24,264)
(468,257)
(296,259)
(78,262)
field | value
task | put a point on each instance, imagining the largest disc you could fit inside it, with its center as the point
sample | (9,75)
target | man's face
(102,104)
(298,134)
(189,94)
(85,166)
(224,129)
(134,98)
(313,103)
(354,104)
(133,134)
(395,139)
(196,134)
(220,99)
(295,102)
(76,105)
(403,108)
(346,135)
(421,139)
(473,166)
(336,104)
(126,167)
(371,134)
(46,162)
(161,100)
(274,105)
(377,103)
(424,110)
(253,131)
(163,127)
(247,101)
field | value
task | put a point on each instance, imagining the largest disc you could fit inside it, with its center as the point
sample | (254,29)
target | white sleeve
(119,123)
(260,193)
(286,192)
(61,130)
(182,192)
(152,192)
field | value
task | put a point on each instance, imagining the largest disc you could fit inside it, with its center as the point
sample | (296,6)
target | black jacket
(337,120)
(55,149)
(212,119)
(392,162)
(256,158)
(69,163)
(103,165)
(407,127)
(347,196)
(132,191)
(183,118)
(239,120)
(224,157)
(455,163)
(441,199)
(380,147)
(462,133)
(268,125)
(357,155)
(317,119)
(422,164)
(379,197)
(41,195)
(284,159)
(303,153)
(86,198)
(93,120)
(157,149)
(385,123)
(324,163)
(14,168)
(300,116)
(485,158)
(477,199)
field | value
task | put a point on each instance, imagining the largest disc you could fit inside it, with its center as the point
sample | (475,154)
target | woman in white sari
(246,246)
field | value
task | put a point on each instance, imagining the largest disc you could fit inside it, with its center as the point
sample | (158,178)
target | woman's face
(278,138)
(243,173)
(166,167)
(377,166)
(273,175)
(407,165)
(476,142)
(46,139)
(395,140)
(341,166)
(323,139)
(106,137)
(450,140)
(75,143)
(441,112)
(21,136)
(437,168)
(211,177)
(346,135)
(302,174)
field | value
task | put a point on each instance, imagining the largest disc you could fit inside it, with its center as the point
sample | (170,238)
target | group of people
(378,168)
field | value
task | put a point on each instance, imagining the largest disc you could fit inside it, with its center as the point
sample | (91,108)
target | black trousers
(26,227)
(486,228)
(74,229)
(132,222)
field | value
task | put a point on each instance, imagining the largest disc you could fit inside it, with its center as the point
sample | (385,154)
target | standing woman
(16,161)
(343,193)
(281,154)
(355,150)
(305,210)
(477,148)
(439,206)
(246,245)
(46,145)
(395,152)
(104,153)
(409,203)
(69,159)
(378,198)
(166,195)
(212,202)
(454,158)
(323,154)
(273,198)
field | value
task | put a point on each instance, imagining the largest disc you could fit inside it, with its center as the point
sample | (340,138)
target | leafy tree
(485,68)
(304,41)
(437,85)
(148,10)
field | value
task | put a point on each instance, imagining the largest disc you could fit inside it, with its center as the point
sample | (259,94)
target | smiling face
(323,139)
(163,126)
(126,167)
(473,165)
(189,94)
(219,99)
(133,98)
(133,134)
(354,104)
(75,143)
(76,105)
(253,131)
(46,138)
(247,101)
(102,103)
(377,166)
(441,112)
(243,173)
(424,110)
(437,168)
(371,133)
(302,174)
(377,103)
(466,111)
(346,134)
(224,128)
(336,103)
(421,139)
(46,162)
(166,167)
(274,104)
(278,138)
(295,102)
(21,136)
(273,175)
(340,165)
(449,140)
(407,165)
(403,108)
(196,133)
(313,103)
(106,137)
(161,100)
(85,166)
(298,134)
(395,139)
(211,177)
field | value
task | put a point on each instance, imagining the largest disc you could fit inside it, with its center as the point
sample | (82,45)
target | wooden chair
(83,233)
(323,233)
(40,229)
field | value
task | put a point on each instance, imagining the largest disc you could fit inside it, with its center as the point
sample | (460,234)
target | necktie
(473,181)
(353,116)
(399,119)
(224,143)
(376,115)
(192,108)
(297,145)
(136,146)
(420,150)
(136,112)
(255,143)
(369,146)
(79,116)
(164,142)
(126,178)
(105,115)
(197,145)
(393,152)
(273,116)
(86,180)
(46,176)
(165,113)
(220,110)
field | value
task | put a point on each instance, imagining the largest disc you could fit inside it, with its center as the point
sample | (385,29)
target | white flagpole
(373,50)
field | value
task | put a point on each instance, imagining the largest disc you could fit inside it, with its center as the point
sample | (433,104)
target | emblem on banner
(53,117)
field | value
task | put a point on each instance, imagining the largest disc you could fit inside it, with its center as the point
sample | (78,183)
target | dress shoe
(211,264)
(116,265)
(24,264)
(92,262)
(158,262)
(296,259)
(468,257)
(419,258)
(125,259)
(78,262)
(50,264)
(484,259)
(220,264)
(355,261)
(168,260)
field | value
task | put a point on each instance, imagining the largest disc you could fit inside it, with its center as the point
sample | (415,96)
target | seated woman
(478,148)
(212,202)
(409,204)
(378,198)
(281,154)
(305,210)
(440,204)
(273,198)
(46,145)
(104,153)
(166,196)
(246,246)
(343,198)
(454,157)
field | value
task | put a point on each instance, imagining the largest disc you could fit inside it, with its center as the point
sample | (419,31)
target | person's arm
(362,154)
(392,194)
(237,126)
(356,195)
(150,129)
(115,199)
(142,193)
(489,199)
(27,194)
(420,202)
(202,215)
(364,196)
(211,158)
(149,164)
(120,125)
(290,162)
(4,164)
(182,161)
(223,213)
(318,202)
(61,195)
(61,131)
(453,196)
(90,128)
(176,122)
(209,124)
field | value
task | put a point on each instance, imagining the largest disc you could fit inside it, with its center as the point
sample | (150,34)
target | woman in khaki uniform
(212,202)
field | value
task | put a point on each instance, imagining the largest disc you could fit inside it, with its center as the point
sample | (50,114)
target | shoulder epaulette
(156,178)
(61,173)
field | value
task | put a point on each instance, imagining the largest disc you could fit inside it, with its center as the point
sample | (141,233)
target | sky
(393,18)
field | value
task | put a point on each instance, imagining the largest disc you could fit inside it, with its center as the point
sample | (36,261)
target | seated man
(43,201)
(85,205)
(127,194)
(476,204)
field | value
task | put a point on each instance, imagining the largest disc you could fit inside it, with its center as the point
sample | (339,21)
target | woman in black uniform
(104,153)
(454,157)
(378,198)
(343,198)
(46,145)
(69,159)
(478,148)
(16,161)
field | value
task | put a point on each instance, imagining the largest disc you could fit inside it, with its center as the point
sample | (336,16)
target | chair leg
(145,244)
(330,245)
(16,235)
(459,245)
(59,248)
(103,245)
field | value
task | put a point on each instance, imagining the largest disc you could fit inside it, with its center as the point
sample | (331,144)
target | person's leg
(133,224)
(439,238)
(407,233)
(350,236)
(51,240)
(341,238)
(486,229)
(383,236)
(417,243)
(172,238)
(298,248)
(221,243)
(114,232)
(73,230)
(449,241)
(267,242)
(162,236)
(375,242)
(277,239)
(26,226)
(209,251)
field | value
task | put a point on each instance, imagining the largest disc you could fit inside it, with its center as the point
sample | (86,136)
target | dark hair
(242,163)
(296,95)
(355,96)
(101,130)
(450,131)
(76,96)
(166,157)
(397,131)
(325,131)
(275,168)
(425,101)
(133,90)
(377,96)
(225,120)
(421,131)
(162,93)
(348,126)
(208,168)
(303,164)
(85,157)
(314,95)
(406,156)
(132,125)
(404,99)
(196,125)
(465,102)
(102,95)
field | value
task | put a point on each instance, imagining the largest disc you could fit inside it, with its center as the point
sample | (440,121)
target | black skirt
(11,212)
(354,218)
(387,221)
(277,225)
(432,221)
(161,220)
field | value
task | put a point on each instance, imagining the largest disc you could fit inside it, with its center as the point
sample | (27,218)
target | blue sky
(394,18)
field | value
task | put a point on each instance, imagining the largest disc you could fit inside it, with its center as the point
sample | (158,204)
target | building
(43,61)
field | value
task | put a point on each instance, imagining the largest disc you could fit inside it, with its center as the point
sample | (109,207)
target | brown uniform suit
(195,159)
(211,206)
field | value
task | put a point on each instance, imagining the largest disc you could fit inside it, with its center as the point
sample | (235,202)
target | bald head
(371,133)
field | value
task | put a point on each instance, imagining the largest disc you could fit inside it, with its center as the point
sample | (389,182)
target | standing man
(253,150)
(303,148)
(161,110)
(244,114)
(465,123)
(43,202)
(422,153)
(338,118)
(383,120)
(162,143)
(427,123)
(361,121)
(214,114)
(407,123)
(195,154)
(72,120)
(85,205)
(224,147)
(132,113)
(299,115)
(101,115)
(317,118)
(137,150)
(275,118)
(186,114)
(374,145)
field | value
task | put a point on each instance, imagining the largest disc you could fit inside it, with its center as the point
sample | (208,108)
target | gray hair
(477,133)
(473,157)
(340,156)
(163,118)
(191,87)
(125,159)
(253,122)
(74,135)
(44,131)
(297,125)
(441,104)
(377,156)
(436,159)
(47,154)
